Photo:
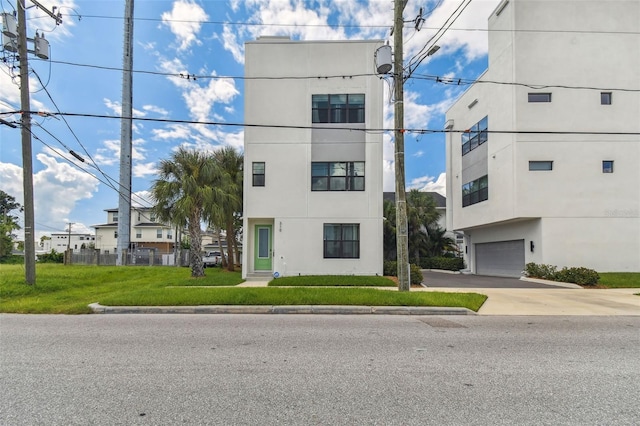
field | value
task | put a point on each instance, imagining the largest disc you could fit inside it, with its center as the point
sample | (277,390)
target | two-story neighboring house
(146,232)
(548,171)
(60,241)
(312,164)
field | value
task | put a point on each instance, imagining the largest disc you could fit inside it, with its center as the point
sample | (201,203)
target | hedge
(445,263)
(576,275)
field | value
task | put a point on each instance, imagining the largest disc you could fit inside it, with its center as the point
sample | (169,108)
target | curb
(294,309)
(553,283)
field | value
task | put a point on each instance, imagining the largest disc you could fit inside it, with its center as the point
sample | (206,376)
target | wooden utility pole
(402,238)
(27,161)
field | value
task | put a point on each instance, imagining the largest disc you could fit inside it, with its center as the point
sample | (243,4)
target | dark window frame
(476,191)
(475,136)
(344,247)
(324,177)
(606,98)
(338,108)
(607,166)
(541,165)
(258,179)
(539,97)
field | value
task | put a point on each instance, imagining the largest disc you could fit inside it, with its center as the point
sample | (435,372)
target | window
(607,166)
(159,233)
(115,234)
(152,217)
(341,241)
(169,234)
(540,165)
(115,217)
(138,233)
(337,176)
(337,108)
(258,174)
(475,191)
(476,136)
(539,97)
(605,98)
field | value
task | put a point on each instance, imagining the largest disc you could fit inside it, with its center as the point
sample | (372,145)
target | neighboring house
(546,173)
(60,242)
(146,232)
(312,174)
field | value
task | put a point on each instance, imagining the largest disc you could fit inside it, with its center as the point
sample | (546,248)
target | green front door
(262,255)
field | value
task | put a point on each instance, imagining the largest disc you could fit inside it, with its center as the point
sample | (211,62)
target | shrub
(390,269)
(51,257)
(445,263)
(12,259)
(579,275)
(576,275)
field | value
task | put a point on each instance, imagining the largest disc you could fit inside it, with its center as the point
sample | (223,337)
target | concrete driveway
(510,296)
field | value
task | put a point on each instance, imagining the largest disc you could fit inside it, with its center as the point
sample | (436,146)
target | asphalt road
(318,370)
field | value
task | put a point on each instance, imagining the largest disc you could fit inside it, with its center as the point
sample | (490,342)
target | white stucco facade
(285,211)
(576,213)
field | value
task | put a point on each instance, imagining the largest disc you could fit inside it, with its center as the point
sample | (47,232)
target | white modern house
(146,232)
(548,169)
(60,241)
(312,174)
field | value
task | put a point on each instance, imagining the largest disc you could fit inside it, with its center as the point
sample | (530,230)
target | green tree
(186,194)
(230,162)
(8,223)
(389,230)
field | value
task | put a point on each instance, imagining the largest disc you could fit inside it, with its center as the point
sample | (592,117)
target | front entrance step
(259,276)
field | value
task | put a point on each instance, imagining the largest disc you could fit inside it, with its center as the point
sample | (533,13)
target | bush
(576,275)
(390,269)
(12,259)
(445,263)
(51,257)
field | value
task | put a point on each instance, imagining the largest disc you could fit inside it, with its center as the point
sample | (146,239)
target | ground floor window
(341,241)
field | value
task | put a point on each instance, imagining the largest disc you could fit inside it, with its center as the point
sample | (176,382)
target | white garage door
(502,258)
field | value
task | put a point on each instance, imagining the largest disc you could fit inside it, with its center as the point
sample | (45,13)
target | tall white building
(312,174)
(561,185)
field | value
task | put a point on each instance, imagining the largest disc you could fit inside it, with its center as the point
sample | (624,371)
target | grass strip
(294,296)
(333,281)
(619,279)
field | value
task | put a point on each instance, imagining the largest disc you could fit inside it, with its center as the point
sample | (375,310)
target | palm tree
(230,163)
(185,194)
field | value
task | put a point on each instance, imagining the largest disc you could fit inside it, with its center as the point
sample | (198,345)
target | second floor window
(337,108)
(476,136)
(159,233)
(475,191)
(258,174)
(337,176)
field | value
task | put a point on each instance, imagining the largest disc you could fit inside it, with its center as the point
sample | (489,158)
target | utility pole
(402,238)
(69,239)
(126,129)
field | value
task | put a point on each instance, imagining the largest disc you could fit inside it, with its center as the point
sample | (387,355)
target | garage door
(502,258)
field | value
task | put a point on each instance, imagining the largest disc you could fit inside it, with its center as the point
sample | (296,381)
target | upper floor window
(539,97)
(605,98)
(475,191)
(476,136)
(337,108)
(169,234)
(540,165)
(138,233)
(115,217)
(337,176)
(159,233)
(341,241)
(152,217)
(607,166)
(258,174)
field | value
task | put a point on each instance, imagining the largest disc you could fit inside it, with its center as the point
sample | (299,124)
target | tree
(389,230)
(185,195)
(8,223)
(230,162)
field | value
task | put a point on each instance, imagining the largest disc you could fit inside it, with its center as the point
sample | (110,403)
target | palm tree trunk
(195,255)
(230,238)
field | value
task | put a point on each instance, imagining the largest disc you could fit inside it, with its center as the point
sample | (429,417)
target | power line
(384,27)
(282,126)
(435,78)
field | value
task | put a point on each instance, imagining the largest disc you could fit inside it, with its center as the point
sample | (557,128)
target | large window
(337,176)
(341,241)
(258,174)
(476,136)
(337,108)
(475,191)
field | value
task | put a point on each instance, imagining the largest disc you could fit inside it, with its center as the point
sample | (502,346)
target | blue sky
(206,39)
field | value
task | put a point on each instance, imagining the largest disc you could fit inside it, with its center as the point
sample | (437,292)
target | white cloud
(158,110)
(184,21)
(57,189)
(428,184)
(141,199)
(144,169)
(418,154)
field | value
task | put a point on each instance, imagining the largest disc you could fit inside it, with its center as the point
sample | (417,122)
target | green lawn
(63,289)
(620,279)
(332,280)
